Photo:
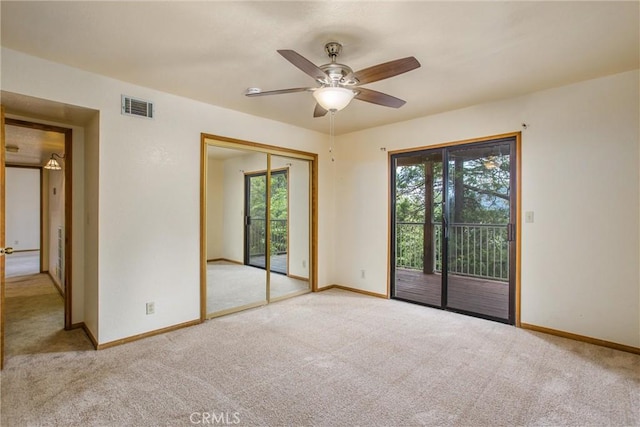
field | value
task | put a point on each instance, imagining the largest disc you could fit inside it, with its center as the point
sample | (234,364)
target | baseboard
(86,330)
(58,287)
(358,291)
(304,279)
(147,334)
(576,337)
(225,260)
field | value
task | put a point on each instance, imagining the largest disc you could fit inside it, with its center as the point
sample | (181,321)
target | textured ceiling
(34,146)
(471,52)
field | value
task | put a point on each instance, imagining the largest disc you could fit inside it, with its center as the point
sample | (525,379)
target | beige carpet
(232,285)
(34,316)
(330,359)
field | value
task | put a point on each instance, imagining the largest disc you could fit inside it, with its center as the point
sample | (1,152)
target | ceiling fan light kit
(339,84)
(333,98)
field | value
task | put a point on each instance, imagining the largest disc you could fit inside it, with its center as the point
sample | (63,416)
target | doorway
(454,234)
(56,224)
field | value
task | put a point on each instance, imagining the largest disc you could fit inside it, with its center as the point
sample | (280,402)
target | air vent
(136,107)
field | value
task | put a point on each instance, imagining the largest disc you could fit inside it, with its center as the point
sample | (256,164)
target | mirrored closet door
(232,283)
(257,226)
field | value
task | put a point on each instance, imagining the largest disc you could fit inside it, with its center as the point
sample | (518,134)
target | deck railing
(257,231)
(478,250)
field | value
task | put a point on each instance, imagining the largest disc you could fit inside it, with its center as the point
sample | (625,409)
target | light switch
(528,216)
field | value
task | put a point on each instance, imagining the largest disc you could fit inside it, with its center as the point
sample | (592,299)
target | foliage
(279,210)
(478,195)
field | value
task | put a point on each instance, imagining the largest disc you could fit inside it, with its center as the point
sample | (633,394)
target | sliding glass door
(453,228)
(418,230)
(256,220)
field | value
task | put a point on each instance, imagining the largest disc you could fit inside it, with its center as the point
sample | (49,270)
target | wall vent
(136,107)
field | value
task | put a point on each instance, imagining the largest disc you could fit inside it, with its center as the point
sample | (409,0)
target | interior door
(2,236)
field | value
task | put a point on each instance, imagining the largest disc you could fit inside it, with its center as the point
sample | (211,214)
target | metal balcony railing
(257,231)
(478,250)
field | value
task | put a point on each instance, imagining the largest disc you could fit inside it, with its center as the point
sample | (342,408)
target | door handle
(6,251)
(446,226)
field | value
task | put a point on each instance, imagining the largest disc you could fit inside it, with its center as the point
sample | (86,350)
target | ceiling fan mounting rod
(333,49)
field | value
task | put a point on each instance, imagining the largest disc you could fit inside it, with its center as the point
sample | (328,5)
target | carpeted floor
(34,319)
(232,285)
(333,359)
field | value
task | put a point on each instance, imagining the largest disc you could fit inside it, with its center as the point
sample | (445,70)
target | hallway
(34,321)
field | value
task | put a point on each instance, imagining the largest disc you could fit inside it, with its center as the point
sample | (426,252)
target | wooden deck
(278,263)
(487,297)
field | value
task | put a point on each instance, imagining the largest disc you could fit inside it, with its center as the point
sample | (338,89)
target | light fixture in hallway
(53,164)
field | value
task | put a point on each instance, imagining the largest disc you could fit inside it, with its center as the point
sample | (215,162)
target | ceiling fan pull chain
(331,133)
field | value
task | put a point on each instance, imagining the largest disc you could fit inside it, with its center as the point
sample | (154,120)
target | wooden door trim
(2,234)
(221,141)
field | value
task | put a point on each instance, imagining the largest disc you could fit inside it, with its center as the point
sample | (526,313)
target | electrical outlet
(362,275)
(16,242)
(304,263)
(151,307)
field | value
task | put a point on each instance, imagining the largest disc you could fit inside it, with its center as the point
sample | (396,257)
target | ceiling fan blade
(304,64)
(279,91)
(386,70)
(319,111)
(379,98)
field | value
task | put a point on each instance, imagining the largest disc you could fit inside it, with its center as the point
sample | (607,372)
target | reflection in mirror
(231,282)
(289,226)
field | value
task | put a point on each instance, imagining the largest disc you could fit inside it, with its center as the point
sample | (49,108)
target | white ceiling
(471,52)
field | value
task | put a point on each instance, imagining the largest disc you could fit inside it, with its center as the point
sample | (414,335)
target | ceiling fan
(339,84)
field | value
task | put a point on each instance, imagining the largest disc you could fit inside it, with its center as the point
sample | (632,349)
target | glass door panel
(479,229)
(230,284)
(256,219)
(418,228)
(289,226)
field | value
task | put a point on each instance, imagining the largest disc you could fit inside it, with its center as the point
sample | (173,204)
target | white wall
(55,219)
(22,208)
(91,167)
(299,196)
(149,185)
(580,175)
(44,250)
(234,173)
